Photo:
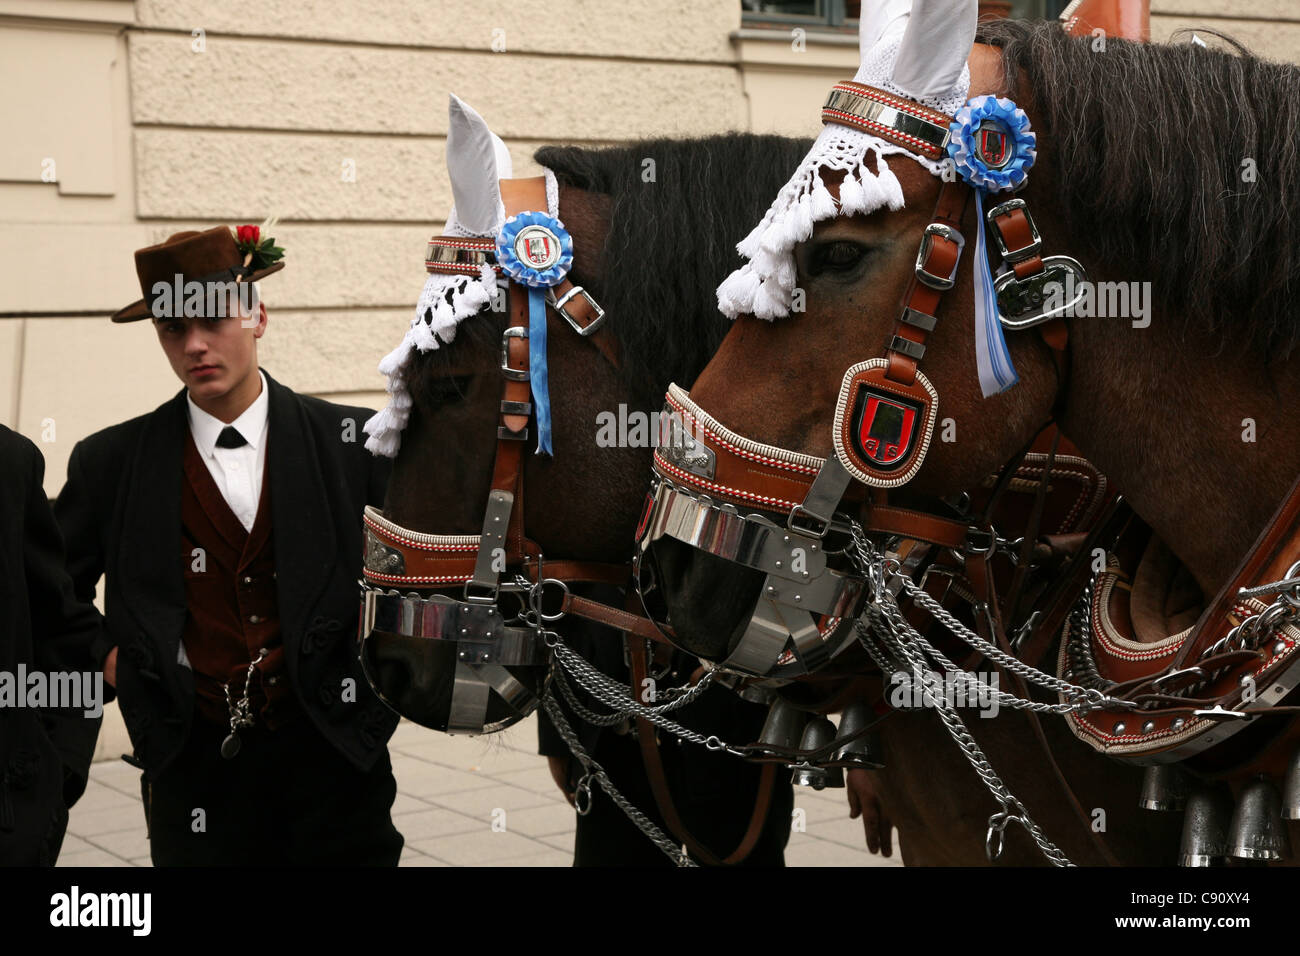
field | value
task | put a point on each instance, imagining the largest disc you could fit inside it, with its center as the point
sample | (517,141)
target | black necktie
(230,438)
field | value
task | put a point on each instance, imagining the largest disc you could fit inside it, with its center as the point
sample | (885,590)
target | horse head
(484,502)
(873,206)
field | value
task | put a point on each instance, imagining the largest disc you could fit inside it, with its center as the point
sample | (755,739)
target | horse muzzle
(700,548)
(436,659)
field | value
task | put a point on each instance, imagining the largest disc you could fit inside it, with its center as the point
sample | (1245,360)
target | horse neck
(1166,413)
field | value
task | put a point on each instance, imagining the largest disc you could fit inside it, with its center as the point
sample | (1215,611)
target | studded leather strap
(939,257)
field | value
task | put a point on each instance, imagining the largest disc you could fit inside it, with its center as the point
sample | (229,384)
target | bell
(1257,831)
(1205,827)
(1291,790)
(783,725)
(817,733)
(865,751)
(1165,787)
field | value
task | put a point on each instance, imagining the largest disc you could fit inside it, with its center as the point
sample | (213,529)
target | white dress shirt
(237,471)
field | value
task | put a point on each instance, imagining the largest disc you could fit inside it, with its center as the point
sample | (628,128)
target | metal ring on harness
(582,796)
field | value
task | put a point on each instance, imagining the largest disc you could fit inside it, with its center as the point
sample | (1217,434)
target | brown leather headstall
(511,593)
(776,511)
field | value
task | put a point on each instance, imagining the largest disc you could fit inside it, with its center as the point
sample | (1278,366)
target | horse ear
(883,19)
(476,160)
(935,47)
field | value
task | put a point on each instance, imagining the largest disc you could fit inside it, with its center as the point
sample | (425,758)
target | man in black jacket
(227,524)
(45,750)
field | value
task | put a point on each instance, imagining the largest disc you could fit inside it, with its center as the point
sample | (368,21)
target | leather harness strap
(937,259)
(653,761)
(627,621)
(1276,548)
(579,309)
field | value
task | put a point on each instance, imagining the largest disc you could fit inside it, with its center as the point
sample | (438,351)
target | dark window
(842,15)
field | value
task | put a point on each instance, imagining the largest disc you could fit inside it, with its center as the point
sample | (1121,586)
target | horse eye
(837,256)
(447,389)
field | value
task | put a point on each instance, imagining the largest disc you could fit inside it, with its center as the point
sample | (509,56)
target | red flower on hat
(260,253)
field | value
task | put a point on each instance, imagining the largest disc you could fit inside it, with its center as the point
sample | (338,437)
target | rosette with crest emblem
(535,250)
(991,147)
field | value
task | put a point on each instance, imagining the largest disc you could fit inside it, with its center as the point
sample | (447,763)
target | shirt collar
(251,424)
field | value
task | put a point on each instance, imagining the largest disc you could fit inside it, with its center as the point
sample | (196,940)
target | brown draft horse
(650,250)
(1142,151)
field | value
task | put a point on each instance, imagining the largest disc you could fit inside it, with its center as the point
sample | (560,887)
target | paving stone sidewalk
(448,791)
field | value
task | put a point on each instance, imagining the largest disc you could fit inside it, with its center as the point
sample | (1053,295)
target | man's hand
(110,668)
(864,802)
(560,774)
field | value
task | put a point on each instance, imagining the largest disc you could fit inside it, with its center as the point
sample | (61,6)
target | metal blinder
(1165,787)
(1205,827)
(1257,831)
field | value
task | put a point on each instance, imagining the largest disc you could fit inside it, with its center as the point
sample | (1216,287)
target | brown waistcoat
(230,595)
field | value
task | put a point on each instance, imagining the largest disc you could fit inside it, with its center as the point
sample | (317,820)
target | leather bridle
(764,507)
(503,561)
(509,590)
(777,511)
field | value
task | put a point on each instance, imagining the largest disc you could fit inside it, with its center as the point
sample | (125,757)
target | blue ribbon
(538,374)
(538,281)
(992,358)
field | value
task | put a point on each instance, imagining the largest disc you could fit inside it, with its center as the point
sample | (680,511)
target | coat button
(254,619)
(248,580)
(273,680)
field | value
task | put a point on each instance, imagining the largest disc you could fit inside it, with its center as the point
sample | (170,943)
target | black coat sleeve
(65,628)
(81,518)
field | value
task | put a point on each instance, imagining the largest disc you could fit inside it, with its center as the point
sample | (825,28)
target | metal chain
(623,692)
(884,618)
(581,709)
(595,771)
(1005,699)
(1012,809)
(881,572)
(617,697)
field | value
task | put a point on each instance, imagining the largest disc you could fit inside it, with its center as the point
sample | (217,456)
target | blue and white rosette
(992,147)
(534,249)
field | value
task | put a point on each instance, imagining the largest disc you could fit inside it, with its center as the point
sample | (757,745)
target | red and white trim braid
(738,444)
(686,477)
(915,110)
(417,539)
(911,107)
(418,578)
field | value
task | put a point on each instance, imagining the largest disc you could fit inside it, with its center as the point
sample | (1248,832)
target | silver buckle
(514,374)
(929,278)
(559,304)
(1022,302)
(1015,255)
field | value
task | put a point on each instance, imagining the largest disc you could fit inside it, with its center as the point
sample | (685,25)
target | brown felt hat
(207,256)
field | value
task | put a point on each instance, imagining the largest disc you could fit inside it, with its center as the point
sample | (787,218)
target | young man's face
(213,356)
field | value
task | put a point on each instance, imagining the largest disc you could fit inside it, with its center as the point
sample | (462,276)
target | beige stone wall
(135,119)
(163,115)
(1270,28)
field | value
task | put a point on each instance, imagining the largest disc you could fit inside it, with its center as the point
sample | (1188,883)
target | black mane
(1149,142)
(672,240)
